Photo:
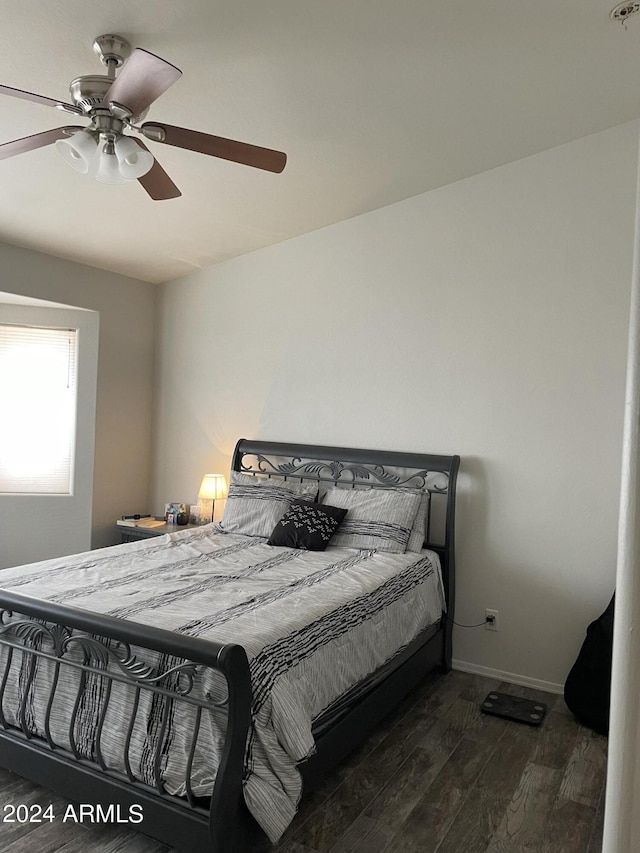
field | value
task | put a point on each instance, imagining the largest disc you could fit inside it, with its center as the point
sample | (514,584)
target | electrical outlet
(491,615)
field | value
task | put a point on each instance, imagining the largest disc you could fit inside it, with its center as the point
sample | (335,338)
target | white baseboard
(511,677)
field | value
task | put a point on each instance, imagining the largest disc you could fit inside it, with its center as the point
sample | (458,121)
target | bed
(272,661)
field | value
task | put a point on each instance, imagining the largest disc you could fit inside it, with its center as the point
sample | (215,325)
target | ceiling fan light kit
(112,162)
(114,104)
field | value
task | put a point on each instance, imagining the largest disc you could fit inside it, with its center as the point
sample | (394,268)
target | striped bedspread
(313,624)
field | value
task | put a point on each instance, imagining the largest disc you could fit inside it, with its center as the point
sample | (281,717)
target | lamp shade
(213,487)
(78,151)
(134,161)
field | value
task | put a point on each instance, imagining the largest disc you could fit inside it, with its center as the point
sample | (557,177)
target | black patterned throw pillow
(307,525)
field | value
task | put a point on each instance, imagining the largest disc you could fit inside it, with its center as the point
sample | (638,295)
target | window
(38,409)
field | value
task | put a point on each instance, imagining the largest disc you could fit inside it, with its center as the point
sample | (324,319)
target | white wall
(123,429)
(487,318)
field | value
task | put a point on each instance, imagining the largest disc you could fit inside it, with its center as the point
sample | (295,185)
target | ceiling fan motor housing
(87,92)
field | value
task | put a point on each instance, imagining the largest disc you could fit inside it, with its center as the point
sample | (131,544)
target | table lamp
(212,488)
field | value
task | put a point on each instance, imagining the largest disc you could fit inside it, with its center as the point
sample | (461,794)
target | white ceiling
(373,101)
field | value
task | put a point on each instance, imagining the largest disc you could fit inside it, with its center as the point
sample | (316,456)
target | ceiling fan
(116,104)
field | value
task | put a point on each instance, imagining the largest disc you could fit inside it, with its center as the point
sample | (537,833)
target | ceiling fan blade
(156,182)
(143,78)
(216,146)
(38,99)
(37,140)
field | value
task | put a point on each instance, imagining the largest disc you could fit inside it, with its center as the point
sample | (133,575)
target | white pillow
(376,518)
(419,529)
(255,504)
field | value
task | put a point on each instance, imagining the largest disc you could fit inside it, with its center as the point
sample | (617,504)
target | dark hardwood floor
(437,777)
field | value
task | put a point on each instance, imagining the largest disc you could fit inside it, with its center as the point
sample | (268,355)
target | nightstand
(132,534)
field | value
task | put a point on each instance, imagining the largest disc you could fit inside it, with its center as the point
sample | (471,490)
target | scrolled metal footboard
(51,649)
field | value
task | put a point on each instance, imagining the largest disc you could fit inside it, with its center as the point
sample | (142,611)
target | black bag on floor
(587,690)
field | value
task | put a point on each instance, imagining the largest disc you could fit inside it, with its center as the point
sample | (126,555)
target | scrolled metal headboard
(357,468)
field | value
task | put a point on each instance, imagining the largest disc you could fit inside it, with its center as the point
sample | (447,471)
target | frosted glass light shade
(213,487)
(78,151)
(134,161)
(109,170)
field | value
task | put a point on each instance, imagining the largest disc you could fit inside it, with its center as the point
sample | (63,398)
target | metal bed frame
(111,651)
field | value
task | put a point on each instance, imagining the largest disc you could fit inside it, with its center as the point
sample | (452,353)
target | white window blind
(37,409)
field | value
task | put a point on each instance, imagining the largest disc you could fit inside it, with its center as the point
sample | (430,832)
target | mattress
(313,625)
